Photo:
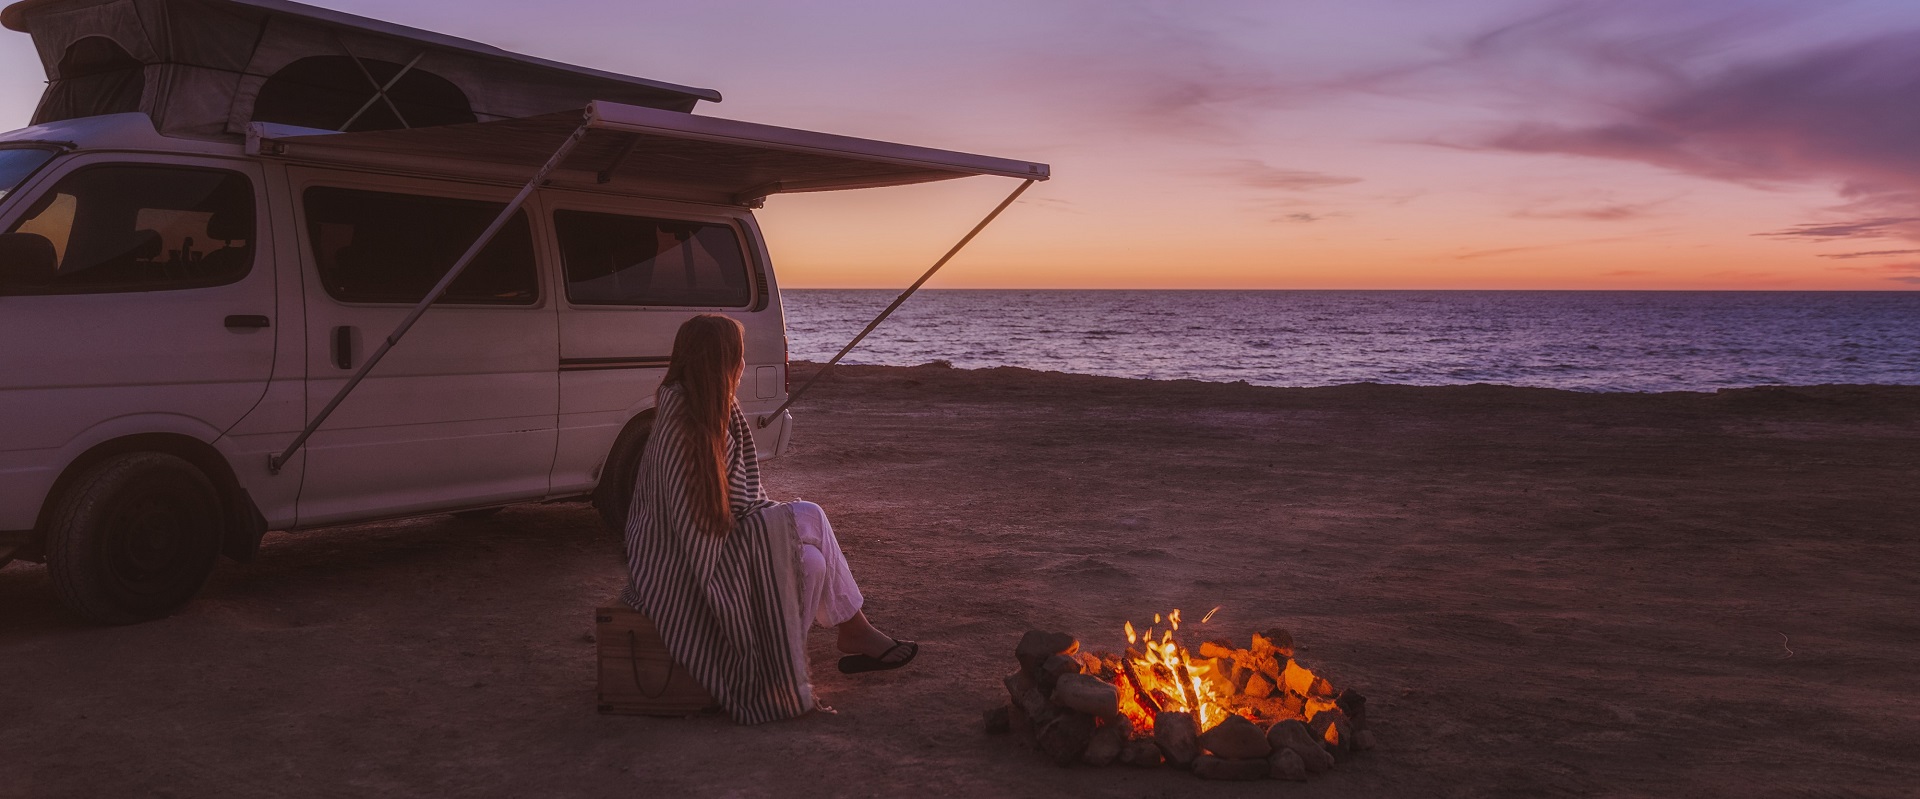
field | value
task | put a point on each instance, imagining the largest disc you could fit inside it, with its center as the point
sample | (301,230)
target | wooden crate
(637,676)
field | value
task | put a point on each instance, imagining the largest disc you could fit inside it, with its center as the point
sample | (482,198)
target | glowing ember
(1262,682)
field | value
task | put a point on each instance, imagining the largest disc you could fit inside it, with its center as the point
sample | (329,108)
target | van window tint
(133,228)
(374,246)
(614,259)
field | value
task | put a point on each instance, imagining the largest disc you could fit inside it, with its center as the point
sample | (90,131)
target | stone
(1089,663)
(1054,668)
(998,720)
(1064,738)
(1334,731)
(1294,735)
(1285,764)
(1037,645)
(1236,738)
(1258,686)
(1108,739)
(1363,740)
(1022,690)
(1179,739)
(1141,754)
(1019,725)
(1273,639)
(1088,694)
(1208,767)
(1354,705)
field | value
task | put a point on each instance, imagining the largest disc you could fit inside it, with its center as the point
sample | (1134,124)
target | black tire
(134,538)
(614,493)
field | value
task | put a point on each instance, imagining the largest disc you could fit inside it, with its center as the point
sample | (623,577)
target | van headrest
(146,245)
(231,224)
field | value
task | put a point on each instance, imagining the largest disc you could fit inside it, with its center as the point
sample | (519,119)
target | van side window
(613,259)
(123,228)
(374,246)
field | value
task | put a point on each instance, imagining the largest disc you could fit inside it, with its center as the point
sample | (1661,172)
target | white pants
(827,593)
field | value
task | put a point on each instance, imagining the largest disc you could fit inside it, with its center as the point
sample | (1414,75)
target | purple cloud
(1695,95)
(1867,254)
(1259,175)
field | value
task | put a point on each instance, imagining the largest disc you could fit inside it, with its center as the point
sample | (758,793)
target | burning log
(1139,691)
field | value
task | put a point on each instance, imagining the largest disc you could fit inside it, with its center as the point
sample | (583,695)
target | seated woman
(730,577)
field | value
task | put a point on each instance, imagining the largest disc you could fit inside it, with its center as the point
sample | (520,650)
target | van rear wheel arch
(242,523)
(614,492)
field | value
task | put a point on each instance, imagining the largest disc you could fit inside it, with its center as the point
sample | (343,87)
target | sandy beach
(1540,592)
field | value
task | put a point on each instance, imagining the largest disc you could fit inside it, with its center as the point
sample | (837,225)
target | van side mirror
(27,260)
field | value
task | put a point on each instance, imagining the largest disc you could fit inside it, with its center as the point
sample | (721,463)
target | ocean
(1579,340)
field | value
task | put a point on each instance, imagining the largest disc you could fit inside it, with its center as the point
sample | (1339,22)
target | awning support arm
(768,418)
(274,463)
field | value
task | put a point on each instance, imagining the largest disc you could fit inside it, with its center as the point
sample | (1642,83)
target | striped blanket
(728,608)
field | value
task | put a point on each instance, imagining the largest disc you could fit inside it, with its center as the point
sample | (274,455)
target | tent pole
(768,418)
(274,463)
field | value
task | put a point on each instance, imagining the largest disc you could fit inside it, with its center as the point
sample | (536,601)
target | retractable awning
(741,162)
(677,154)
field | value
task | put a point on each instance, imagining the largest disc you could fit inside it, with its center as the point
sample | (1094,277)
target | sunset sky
(1727,144)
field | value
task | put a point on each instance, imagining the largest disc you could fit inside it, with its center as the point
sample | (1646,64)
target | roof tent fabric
(200,68)
(680,155)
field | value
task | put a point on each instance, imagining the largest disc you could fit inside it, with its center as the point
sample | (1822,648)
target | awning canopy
(662,152)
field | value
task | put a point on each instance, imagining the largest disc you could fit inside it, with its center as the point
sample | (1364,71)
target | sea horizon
(1630,340)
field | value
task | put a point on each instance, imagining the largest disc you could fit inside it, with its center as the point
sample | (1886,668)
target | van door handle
(343,346)
(248,322)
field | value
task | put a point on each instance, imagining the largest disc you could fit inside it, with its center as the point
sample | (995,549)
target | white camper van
(264,266)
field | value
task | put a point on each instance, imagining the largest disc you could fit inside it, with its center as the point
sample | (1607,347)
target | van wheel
(614,493)
(134,538)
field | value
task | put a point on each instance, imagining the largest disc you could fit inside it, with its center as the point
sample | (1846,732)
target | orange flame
(1262,682)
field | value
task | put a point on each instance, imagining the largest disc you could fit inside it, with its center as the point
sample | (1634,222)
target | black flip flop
(860,664)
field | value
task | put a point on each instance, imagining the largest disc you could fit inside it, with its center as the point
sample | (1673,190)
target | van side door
(148,307)
(630,272)
(461,412)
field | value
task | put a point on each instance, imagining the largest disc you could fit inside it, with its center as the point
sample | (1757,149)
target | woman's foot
(868,649)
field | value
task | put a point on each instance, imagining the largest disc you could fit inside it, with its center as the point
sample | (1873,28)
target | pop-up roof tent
(206,68)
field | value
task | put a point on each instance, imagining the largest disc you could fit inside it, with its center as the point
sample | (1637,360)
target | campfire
(1225,712)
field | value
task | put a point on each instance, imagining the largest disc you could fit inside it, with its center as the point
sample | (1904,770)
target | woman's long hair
(708,356)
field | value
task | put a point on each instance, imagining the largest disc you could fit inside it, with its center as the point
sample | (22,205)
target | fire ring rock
(1294,735)
(1208,767)
(1108,740)
(1065,737)
(1141,754)
(1178,737)
(1334,730)
(1286,765)
(1087,694)
(1236,739)
(1038,645)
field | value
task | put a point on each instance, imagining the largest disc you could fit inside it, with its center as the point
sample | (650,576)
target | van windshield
(16,163)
